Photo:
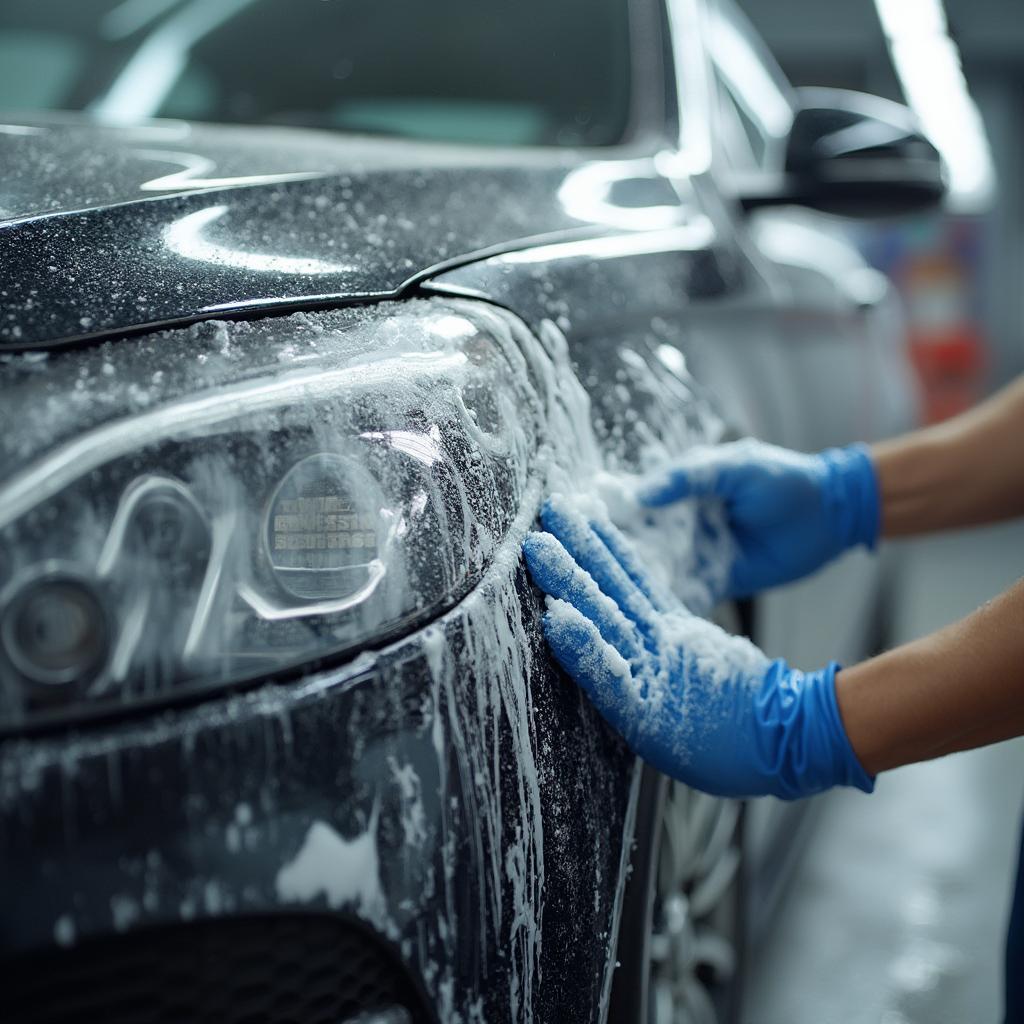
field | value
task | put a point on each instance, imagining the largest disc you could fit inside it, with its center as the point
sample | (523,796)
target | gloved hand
(698,704)
(789,513)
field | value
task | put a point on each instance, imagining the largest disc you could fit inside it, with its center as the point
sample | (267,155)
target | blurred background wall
(962,276)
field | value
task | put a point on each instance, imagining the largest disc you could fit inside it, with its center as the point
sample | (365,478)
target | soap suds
(601,659)
(344,872)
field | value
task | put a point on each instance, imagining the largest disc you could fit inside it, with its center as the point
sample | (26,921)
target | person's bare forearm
(967,471)
(959,688)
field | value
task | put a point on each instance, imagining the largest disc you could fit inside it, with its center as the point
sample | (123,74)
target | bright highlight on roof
(928,64)
(911,17)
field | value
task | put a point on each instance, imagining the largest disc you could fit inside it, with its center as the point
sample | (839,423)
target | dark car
(303,308)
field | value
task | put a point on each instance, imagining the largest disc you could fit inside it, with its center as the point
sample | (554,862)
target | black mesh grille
(268,970)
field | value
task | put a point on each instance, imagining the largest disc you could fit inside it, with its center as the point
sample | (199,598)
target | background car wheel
(696,927)
(681,933)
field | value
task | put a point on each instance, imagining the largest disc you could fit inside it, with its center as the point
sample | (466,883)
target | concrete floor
(897,912)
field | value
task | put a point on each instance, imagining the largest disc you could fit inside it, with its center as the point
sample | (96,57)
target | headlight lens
(55,630)
(324,534)
(204,506)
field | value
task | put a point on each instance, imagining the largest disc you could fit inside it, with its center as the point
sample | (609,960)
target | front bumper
(451,793)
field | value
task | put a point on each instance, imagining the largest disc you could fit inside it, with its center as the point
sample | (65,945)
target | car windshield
(527,72)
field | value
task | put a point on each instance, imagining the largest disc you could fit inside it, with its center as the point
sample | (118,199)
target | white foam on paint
(470,713)
(344,872)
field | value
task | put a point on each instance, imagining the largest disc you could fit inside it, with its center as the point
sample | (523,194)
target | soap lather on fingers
(705,707)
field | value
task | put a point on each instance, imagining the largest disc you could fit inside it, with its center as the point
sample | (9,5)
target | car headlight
(197,508)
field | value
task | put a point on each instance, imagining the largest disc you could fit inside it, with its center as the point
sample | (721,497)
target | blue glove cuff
(851,495)
(848,769)
(805,746)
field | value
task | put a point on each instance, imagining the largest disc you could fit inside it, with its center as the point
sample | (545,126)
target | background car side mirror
(857,155)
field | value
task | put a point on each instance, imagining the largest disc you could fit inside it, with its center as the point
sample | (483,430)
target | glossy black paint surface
(110,230)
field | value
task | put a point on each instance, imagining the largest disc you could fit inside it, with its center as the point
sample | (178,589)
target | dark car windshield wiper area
(486,71)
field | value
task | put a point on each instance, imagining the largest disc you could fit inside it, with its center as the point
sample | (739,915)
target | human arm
(964,472)
(959,688)
(790,512)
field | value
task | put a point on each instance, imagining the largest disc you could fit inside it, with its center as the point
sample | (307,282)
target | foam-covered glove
(698,704)
(789,513)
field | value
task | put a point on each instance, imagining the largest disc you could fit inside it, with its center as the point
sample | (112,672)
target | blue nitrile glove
(789,513)
(698,704)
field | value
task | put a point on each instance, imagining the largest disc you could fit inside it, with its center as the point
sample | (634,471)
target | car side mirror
(856,155)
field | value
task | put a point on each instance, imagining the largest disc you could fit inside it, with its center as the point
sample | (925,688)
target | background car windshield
(529,72)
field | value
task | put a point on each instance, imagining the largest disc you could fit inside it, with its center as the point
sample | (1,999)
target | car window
(755,99)
(530,72)
(741,139)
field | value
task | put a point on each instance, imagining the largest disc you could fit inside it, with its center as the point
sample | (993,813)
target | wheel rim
(694,944)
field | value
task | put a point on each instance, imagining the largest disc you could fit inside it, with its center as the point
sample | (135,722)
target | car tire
(681,930)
